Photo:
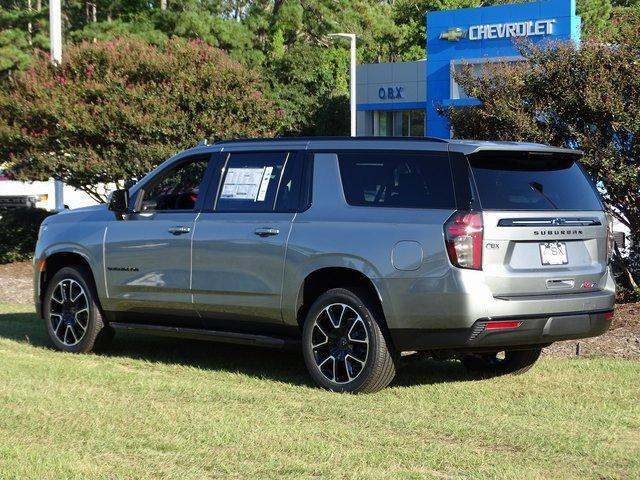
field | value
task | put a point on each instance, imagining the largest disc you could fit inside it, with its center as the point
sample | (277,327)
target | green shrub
(19,233)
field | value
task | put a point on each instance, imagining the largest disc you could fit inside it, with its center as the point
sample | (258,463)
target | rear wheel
(344,346)
(502,363)
(72,316)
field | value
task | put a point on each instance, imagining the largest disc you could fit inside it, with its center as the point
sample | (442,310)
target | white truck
(20,194)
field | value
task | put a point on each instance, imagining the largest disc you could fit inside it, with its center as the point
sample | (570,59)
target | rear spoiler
(526,158)
(515,148)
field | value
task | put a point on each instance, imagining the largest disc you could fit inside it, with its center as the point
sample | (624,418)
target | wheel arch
(55,261)
(322,279)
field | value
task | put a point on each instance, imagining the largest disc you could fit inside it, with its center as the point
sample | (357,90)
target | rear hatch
(545,231)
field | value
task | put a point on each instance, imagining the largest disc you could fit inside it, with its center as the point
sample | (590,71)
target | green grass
(164,408)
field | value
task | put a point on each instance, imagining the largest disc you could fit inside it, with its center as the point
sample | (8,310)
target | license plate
(553,253)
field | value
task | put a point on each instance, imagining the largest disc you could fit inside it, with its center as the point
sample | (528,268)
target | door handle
(179,230)
(266,232)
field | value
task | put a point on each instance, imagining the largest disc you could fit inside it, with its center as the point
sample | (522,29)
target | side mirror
(130,183)
(119,201)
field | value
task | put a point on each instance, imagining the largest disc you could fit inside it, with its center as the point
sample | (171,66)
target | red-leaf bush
(115,109)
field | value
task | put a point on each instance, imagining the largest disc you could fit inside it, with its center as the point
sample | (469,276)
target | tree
(113,110)
(21,30)
(586,98)
(307,70)
(594,14)
(311,85)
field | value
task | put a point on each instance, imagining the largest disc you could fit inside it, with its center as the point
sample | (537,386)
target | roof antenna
(203,143)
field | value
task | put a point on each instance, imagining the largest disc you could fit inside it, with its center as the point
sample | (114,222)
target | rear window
(531,182)
(397,179)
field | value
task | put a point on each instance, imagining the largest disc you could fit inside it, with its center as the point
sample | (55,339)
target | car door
(148,254)
(240,238)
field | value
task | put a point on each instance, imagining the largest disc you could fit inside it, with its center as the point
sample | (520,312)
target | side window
(397,179)
(260,182)
(177,189)
(292,182)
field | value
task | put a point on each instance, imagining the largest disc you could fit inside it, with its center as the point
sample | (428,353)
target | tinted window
(526,182)
(251,182)
(178,188)
(289,192)
(393,179)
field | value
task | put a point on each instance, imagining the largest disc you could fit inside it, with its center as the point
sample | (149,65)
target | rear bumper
(460,298)
(532,330)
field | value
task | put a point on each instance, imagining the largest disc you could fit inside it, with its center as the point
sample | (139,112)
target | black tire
(68,316)
(360,324)
(514,362)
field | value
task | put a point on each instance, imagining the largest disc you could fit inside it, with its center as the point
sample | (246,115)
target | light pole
(55,37)
(352,78)
(55,31)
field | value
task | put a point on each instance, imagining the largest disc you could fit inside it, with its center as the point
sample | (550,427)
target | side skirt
(210,335)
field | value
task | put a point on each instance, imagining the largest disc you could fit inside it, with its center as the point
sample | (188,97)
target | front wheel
(502,363)
(72,316)
(344,346)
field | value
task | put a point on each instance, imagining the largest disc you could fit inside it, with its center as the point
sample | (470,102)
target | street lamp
(55,31)
(352,78)
(55,38)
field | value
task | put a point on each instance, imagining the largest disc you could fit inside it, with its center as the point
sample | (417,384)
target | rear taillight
(610,238)
(463,237)
(608,316)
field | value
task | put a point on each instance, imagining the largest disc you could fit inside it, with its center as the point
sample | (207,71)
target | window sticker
(264,185)
(245,183)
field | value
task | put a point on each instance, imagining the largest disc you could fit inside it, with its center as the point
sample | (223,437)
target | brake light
(610,238)
(463,237)
(608,316)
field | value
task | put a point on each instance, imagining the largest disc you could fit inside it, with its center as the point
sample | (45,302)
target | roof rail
(309,139)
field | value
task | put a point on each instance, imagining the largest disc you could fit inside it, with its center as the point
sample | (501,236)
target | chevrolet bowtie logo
(453,34)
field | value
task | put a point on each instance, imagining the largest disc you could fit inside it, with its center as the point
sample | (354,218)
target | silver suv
(355,249)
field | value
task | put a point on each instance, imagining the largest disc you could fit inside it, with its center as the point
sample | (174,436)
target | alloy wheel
(340,343)
(69,312)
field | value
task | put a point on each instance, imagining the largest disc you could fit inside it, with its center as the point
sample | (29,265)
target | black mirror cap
(130,183)
(119,201)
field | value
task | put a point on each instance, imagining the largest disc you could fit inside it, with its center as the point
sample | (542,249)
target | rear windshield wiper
(537,187)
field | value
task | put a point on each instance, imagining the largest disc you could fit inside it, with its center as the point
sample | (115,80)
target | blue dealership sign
(482,34)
